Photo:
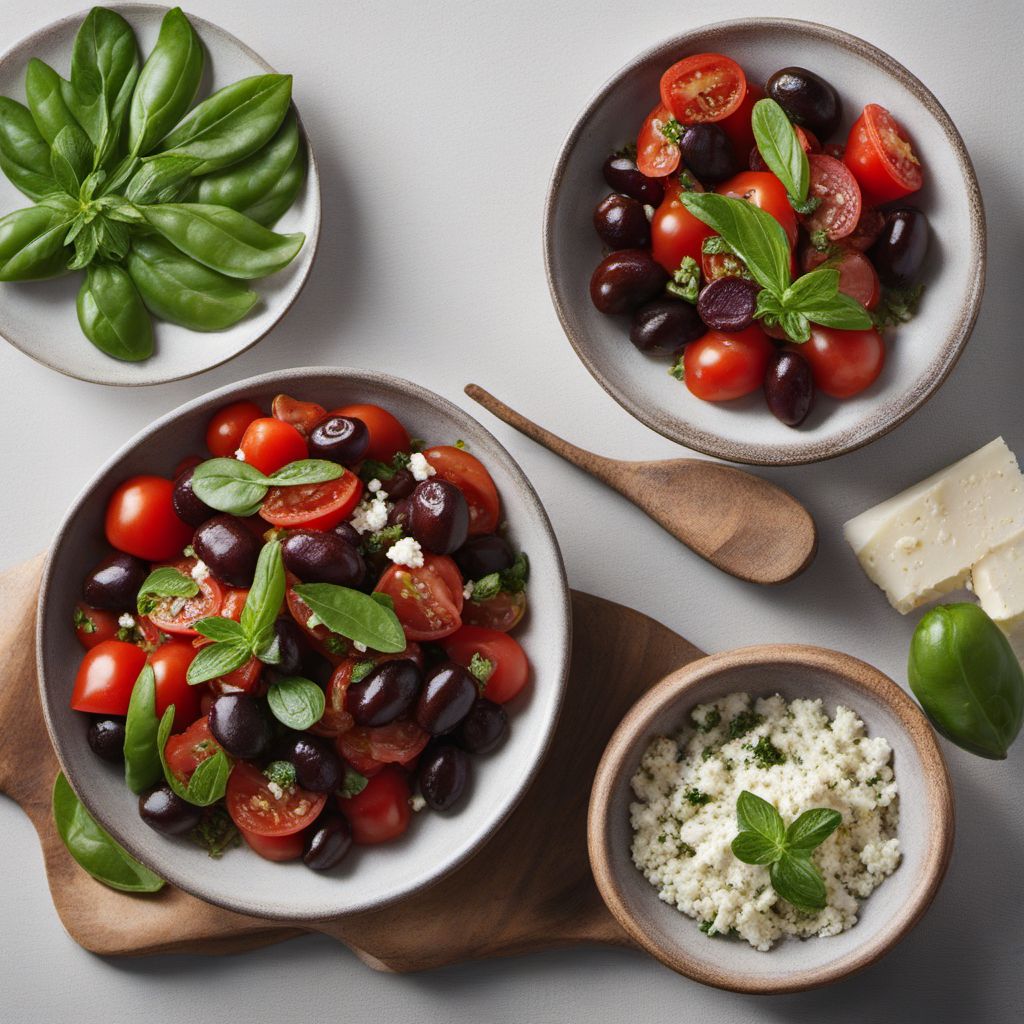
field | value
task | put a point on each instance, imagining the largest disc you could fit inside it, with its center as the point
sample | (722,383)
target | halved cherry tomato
(170,662)
(839,210)
(857,277)
(737,125)
(303,416)
(702,88)
(675,232)
(244,679)
(427,600)
(253,806)
(368,748)
(269,444)
(656,156)
(179,614)
(511,669)
(765,191)
(321,638)
(313,506)
(185,751)
(501,612)
(141,520)
(844,363)
(106,677)
(881,156)
(233,603)
(719,367)
(224,434)
(470,475)
(94,625)
(276,848)
(335,720)
(714,265)
(381,812)
(387,435)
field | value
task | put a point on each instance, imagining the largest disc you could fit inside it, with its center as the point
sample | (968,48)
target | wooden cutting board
(546,898)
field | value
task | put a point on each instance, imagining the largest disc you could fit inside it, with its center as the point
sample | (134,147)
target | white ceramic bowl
(39,317)
(436,843)
(919,355)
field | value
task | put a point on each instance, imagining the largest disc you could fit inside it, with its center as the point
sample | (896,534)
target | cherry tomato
(184,751)
(737,125)
(857,277)
(387,435)
(335,720)
(254,808)
(714,265)
(368,748)
(170,662)
(511,669)
(313,506)
(381,812)
(141,521)
(244,679)
(106,677)
(303,416)
(656,156)
(702,88)
(224,434)
(94,625)
(868,228)
(233,603)
(470,475)
(501,612)
(178,615)
(881,156)
(276,848)
(844,363)
(765,191)
(719,367)
(269,444)
(427,600)
(838,213)
(676,233)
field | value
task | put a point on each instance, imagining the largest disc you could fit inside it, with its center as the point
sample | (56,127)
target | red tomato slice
(245,679)
(737,125)
(368,748)
(511,668)
(335,720)
(501,612)
(857,277)
(881,157)
(254,807)
(676,233)
(313,506)
(170,662)
(844,363)
(303,416)
(703,88)
(269,444)
(184,751)
(179,614)
(470,475)
(868,228)
(839,211)
(656,156)
(714,265)
(276,848)
(381,812)
(719,367)
(425,602)
(106,678)
(387,435)
(94,625)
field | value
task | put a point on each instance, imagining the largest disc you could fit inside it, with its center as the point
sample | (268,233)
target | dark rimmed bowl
(920,355)
(435,844)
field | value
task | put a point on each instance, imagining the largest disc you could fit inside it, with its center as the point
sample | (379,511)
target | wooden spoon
(740,523)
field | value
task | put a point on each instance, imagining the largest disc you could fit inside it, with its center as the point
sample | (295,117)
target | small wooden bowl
(925,829)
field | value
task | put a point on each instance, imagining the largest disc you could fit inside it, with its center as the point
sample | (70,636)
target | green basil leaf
(755,236)
(273,206)
(384,600)
(167,84)
(218,629)
(352,784)
(487,587)
(44,92)
(93,849)
(159,179)
(811,290)
(208,781)
(797,880)
(812,828)
(354,615)
(71,159)
(297,703)
(217,659)
(752,848)
(32,244)
(755,814)
(24,153)
(165,581)
(796,326)
(306,471)
(265,595)
(111,313)
(229,486)
(841,311)
(780,148)
(141,761)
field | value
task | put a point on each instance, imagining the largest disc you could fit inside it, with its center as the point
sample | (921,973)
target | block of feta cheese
(923,542)
(999,585)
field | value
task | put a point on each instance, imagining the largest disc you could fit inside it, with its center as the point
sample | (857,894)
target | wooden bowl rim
(673,689)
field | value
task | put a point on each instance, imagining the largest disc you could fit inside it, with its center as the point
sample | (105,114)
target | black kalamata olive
(708,152)
(399,514)
(187,506)
(439,516)
(789,387)
(447,695)
(348,533)
(319,557)
(389,691)
(317,767)
(161,808)
(665,323)
(807,99)
(621,223)
(480,556)
(899,252)
(622,174)
(316,667)
(728,304)
(239,725)
(484,727)
(229,549)
(401,485)
(289,648)
(443,774)
(626,279)
(106,738)
(114,583)
(327,842)
(343,439)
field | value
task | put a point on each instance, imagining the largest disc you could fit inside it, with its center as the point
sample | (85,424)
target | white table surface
(437,126)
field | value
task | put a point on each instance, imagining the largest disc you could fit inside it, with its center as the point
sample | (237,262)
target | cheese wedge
(999,586)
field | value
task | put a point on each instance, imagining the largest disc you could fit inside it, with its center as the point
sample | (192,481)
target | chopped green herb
(766,754)
(672,130)
(511,580)
(743,723)
(461,445)
(352,784)
(696,798)
(707,753)
(281,772)
(361,669)
(708,928)
(481,669)
(711,719)
(83,622)
(686,850)
(628,151)
(686,180)
(383,539)
(216,832)
(336,644)
(678,369)
(685,283)
(897,306)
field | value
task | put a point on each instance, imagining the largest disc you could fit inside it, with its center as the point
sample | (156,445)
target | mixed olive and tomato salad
(755,246)
(304,638)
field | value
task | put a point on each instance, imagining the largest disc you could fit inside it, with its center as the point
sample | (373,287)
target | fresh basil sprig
(142,766)
(239,489)
(210,779)
(512,580)
(165,581)
(764,839)
(780,149)
(362,618)
(296,702)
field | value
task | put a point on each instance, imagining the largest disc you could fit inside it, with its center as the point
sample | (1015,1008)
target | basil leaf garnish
(265,596)
(94,850)
(840,311)
(141,760)
(814,288)
(217,660)
(164,582)
(797,880)
(780,148)
(353,783)
(812,828)
(354,615)
(296,702)
(752,848)
(219,630)
(306,471)
(210,779)
(230,486)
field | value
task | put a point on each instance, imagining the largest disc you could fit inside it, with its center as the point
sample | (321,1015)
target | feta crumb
(275,789)
(373,486)
(420,468)
(406,551)
(200,570)
(467,590)
(126,621)
(361,648)
(240,455)
(417,803)
(371,514)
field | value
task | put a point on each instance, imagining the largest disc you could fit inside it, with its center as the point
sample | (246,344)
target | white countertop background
(436,126)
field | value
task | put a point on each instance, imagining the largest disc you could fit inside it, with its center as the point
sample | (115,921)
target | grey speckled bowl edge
(437,844)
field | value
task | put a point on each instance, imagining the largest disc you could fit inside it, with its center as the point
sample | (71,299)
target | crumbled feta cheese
(200,571)
(240,455)
(406,551)
(126,621)
(419,467)
(417,803)
(371,514)
(467,590)
(361,648)
(374,486)
(276,789)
